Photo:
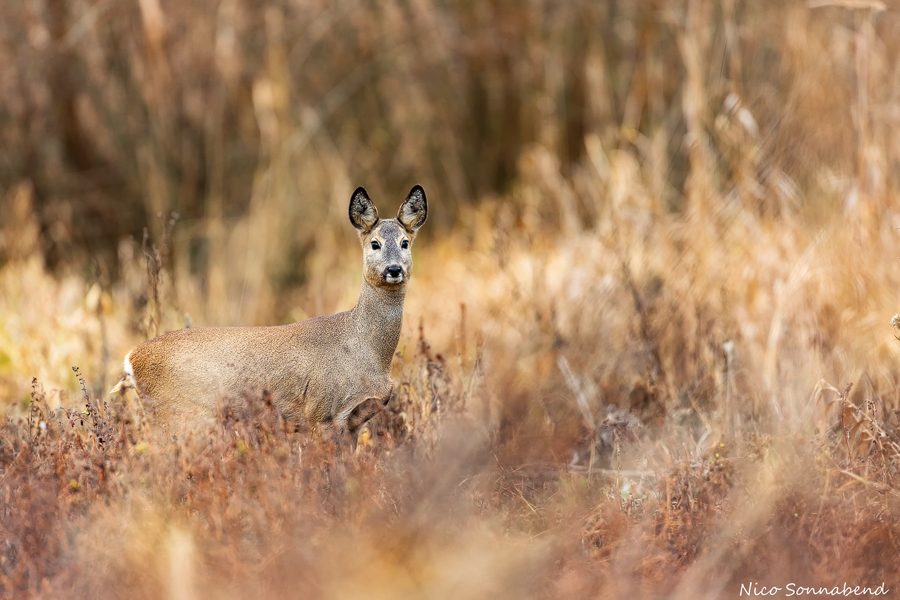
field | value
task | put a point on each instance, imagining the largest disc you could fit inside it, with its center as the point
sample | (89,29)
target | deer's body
(333,371)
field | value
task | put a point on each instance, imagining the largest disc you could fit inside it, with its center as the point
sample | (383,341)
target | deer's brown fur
(333,371)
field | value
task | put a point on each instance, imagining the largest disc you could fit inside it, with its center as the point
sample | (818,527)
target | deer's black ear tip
(359,190)
(417,195)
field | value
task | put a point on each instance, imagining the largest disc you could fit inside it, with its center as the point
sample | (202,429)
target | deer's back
(309,368)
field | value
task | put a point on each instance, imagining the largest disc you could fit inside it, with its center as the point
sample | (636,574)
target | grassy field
(648,347)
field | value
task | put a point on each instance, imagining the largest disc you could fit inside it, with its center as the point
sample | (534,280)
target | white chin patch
(397,279)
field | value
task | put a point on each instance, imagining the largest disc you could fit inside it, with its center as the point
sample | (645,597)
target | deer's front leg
(348,424)
(342,434)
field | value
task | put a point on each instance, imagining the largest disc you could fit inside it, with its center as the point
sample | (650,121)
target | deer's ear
(363,214)
(414,210)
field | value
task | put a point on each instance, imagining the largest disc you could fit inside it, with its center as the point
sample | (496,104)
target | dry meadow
(648,348)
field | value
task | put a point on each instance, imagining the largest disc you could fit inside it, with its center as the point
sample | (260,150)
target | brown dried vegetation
(647,349)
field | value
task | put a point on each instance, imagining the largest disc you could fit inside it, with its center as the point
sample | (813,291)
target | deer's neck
(378,316)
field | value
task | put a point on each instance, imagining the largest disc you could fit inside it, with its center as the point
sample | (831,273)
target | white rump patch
(127,366)
(127,381)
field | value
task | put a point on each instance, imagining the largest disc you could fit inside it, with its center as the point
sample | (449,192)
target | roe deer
(333,371)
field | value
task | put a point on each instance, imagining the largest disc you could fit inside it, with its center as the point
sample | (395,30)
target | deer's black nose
(393,272)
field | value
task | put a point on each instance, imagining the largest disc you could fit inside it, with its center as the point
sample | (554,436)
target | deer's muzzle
(393,274)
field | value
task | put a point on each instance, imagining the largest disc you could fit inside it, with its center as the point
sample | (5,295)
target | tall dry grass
(648,347)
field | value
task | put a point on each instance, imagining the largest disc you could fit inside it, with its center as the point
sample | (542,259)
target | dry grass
(648,347)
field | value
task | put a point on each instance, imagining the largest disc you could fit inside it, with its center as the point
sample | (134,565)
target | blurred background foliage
(663,241)
(255,120)
(686,162)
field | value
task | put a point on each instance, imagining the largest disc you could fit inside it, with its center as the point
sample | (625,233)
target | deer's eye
(404,244)
(376,245)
